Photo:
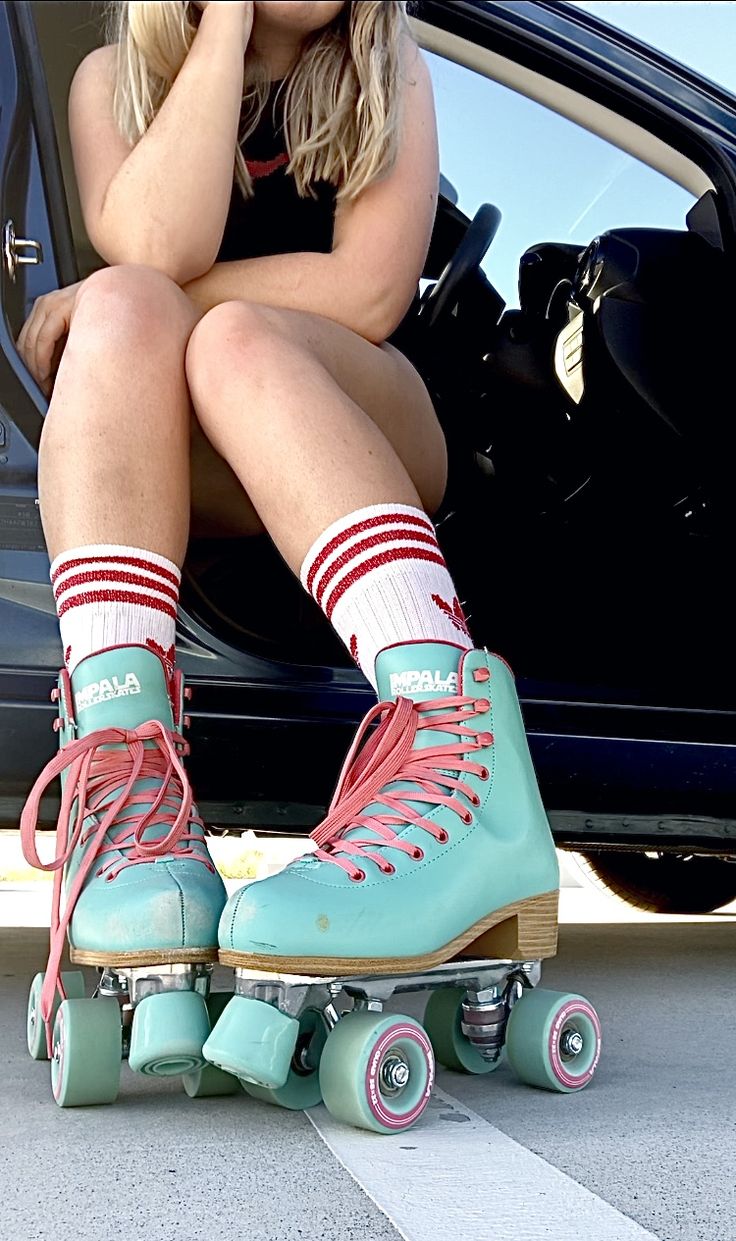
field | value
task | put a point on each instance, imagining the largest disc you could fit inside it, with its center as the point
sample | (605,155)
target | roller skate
(141,897)
(435,870)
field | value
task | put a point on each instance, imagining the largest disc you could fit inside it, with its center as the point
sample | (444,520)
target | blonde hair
(342,98)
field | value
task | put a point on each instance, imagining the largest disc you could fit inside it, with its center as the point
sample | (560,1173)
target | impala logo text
(102,691)
(422,681)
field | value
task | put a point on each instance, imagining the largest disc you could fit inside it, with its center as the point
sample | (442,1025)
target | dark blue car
(588,400)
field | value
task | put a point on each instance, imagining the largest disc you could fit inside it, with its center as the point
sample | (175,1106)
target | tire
(73,986)
(538,1024)
(669,883)
(85,1068)
(351,1078)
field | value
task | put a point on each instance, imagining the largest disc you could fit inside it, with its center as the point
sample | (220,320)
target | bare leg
(114,458)
(315,421)
(114,469)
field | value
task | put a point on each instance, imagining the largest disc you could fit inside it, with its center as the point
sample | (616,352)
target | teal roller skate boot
(436,846)
(140,894)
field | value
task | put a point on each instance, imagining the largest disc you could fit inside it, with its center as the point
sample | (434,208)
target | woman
(264,309)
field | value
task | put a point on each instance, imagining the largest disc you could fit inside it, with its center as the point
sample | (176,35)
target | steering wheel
(466,259)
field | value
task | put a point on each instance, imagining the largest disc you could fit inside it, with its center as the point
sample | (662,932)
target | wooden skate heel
(527,930)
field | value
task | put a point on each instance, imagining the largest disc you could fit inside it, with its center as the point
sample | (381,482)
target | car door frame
(575,49)
(24,102)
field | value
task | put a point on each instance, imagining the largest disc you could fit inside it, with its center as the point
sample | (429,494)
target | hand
(43,337)
(231,8)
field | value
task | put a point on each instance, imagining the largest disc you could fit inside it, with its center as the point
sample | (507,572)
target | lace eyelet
(467,818)
(475,799)
(443,837)
(418,854)
(358,877)
(98,873)
(389,869)
(482,705)
(484,773)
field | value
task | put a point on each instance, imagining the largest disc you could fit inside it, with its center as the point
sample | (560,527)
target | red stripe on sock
(395,553)
(116,575)
(134,563)
(117,596)
(374,540)
(399,519)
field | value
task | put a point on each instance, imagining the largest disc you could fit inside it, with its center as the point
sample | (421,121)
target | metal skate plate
(137,982)
(291,993)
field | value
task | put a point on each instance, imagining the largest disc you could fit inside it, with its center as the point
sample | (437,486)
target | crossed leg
(313,421)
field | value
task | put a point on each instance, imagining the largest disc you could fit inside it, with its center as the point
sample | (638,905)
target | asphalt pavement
(647,1150)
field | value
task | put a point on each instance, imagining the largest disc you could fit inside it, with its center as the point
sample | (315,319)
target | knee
(131,307)
(240,335)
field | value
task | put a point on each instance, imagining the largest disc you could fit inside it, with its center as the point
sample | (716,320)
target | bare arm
(380,242)
(164,201)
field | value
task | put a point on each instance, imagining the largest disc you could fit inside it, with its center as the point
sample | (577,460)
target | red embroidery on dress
(453,613)
(67,656)
(354,648)
(168,659)
(264,167)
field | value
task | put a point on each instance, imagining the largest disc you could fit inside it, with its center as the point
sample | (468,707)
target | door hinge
(14,247)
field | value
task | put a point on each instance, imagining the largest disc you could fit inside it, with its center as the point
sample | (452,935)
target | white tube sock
(107,595)
(380,578)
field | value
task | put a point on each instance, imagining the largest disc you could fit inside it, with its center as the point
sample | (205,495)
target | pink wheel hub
(567,1013)
(397,1037)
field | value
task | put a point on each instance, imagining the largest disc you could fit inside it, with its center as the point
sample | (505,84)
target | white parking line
(454,1175)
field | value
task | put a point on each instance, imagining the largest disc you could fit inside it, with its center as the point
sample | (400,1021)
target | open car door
(37,256)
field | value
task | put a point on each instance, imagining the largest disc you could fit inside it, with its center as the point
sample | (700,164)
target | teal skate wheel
(87,1052)
(301,1088)
(377,1071)
(73,982)
(208,1082)
(442,1018)
(553,1040)
(168,1032)
(254,1041)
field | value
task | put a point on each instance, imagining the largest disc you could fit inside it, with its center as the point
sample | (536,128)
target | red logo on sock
(453,613)
(354,648)
(67,655)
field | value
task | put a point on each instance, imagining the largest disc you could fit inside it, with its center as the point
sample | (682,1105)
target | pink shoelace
(94,775)
(389,755)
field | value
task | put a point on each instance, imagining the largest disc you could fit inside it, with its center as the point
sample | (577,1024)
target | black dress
(275,220)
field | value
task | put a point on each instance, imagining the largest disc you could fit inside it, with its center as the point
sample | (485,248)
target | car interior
(588,505)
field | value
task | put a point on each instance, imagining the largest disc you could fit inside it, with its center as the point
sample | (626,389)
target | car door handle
(15,250)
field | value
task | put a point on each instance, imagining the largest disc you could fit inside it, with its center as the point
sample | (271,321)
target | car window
(551,179)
